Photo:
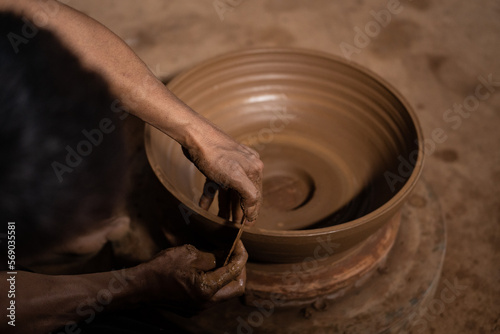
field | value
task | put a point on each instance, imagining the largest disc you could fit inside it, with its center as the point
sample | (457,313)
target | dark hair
(47,100)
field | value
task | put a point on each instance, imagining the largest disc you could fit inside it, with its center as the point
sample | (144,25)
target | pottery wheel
(385,302)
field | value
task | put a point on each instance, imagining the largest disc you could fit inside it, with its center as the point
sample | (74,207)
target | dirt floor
(435,53)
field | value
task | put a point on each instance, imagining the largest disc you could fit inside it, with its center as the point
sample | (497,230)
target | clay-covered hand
(185,280)
(229,167)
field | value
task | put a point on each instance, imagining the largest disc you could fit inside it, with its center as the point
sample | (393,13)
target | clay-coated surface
(321,276)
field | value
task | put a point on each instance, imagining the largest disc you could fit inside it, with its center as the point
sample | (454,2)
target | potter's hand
(234,168)
(185,279)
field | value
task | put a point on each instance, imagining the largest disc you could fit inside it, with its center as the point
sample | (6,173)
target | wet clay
(339,145)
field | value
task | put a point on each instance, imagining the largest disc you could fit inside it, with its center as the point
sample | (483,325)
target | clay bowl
(339,145)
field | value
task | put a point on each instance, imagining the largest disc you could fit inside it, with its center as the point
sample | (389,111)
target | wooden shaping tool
(238,237)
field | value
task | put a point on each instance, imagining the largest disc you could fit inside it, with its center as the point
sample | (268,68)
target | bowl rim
(395,200)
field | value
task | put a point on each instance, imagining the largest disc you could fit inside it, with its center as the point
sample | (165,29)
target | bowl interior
(329,135)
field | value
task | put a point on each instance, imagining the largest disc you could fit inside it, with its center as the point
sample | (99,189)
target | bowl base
(323,275)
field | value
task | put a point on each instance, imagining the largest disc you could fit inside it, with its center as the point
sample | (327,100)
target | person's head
(61,175)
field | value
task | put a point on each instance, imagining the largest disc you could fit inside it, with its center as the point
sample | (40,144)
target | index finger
(207,197)
(251,202)
(233,289)
(222,276)
(251,194)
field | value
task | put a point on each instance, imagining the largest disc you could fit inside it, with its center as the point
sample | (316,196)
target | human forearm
(44,303)
(180,278)
(130,80)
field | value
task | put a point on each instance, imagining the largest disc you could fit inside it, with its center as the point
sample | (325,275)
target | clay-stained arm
(217,155)
(101,50)
(42,303)
(182,278)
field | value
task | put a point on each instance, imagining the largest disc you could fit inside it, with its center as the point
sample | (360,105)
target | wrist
(131,284)
(180,122)
(148,284)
